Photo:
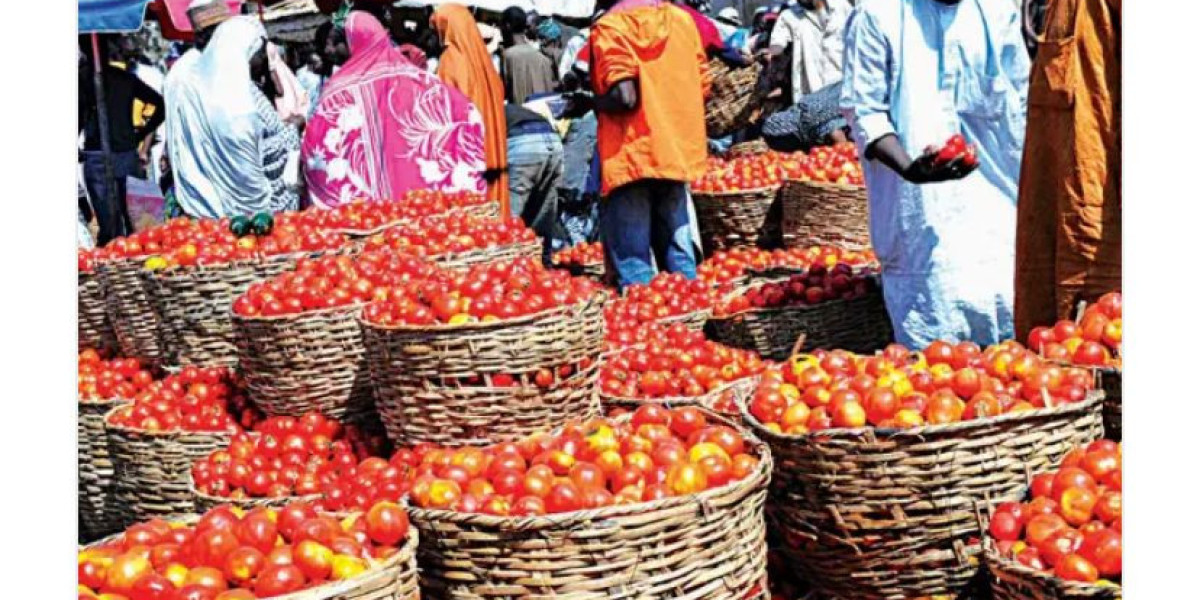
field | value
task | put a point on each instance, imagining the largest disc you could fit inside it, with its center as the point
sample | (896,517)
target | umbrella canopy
(111,16)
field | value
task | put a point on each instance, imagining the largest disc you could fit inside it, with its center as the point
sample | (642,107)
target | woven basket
(193,304)
(391,579)
(694,320)
(1011,580)
(734,98)
(740,218)
(742,389)
(99,514)
(750,148)
(825,214)
(487,209)
(131,311)
(95,331)
(888,514)
(860,325)
(465,260)
(153,470)
(313,361)
(415,370)
(594,271)
(1110,382)
(710,545)
(205,502)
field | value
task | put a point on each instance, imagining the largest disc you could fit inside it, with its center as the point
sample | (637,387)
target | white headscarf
(216,128)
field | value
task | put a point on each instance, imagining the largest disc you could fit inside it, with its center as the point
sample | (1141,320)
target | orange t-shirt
(663,137)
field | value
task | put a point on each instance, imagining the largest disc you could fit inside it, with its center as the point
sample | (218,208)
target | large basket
(95,330)
(152,470)
(418,373)
(131,310)
(312,361)
(392,579)
(739,218)
(194,304)
(825,214)
(742,390)
(1110,381)
(860,325)
(710,545)
(1011,580)
(891,514)
(734,98)
(99,514)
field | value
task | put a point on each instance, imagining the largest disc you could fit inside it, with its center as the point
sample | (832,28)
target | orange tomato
(686,478)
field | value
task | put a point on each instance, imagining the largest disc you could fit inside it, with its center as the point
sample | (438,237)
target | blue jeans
(642,213)
(535,170)
(111,213)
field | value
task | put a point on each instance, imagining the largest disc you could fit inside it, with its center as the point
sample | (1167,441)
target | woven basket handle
(796,347)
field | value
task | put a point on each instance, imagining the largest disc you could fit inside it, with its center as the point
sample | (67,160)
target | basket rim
(181,271)
(684,316)
(599,297)
(822,184)
(762,472)
(238,501)
(390,224)
(995,561)
(537,241)
(746,192)
(112,401)
(781,309)
(1093,399)
(110,426)
(681,400)
(315,313)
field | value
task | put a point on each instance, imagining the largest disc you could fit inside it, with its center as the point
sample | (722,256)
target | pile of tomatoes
(667,295)
(831,164)
(332,281)
(87,260)
(1072,524)
(1094,342)
(201,399)
(101,379)
(291,233)
(587,253)
(814,286)
(158,239)
(483,293)
(657,453)
(230,555)
(748,172)
(444,234)
(728,265)
(678,363)
(944,383)
(367,215)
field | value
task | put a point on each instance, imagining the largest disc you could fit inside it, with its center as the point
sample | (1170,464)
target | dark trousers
(111,212)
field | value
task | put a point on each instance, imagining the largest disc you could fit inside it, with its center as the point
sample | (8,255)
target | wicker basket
(1110,382)
(734,98)
(742,390)
(740,218)
(485,210)
(416,370)
(312,361)
(392,579)
(694,320)
(95,331)
(825,214)
(193,304)
(710,545)
(594,271)
(465,260)
(1011,580)
(205,502)
(153,470)
(131,311)
(889,514)
(99,514)
(860,325)
(750,148)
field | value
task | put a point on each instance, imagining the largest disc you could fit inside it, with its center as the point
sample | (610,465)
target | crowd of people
(593,133)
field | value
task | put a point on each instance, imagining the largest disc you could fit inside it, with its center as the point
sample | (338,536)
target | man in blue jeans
(535,172)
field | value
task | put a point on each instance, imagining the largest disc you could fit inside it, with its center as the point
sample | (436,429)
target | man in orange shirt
(647,74)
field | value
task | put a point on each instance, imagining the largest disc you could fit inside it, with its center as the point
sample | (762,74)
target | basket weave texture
(465,260)
(825,214)
(1011,580)
(749,148)
(99,514)
(95,331)
(739,218)
(312,361)
(417,374)
(131,311)
(205,502)
(860,325)
(734,98)
(742,390)
(710,545)
(694,320)
(153,470)
(889,514)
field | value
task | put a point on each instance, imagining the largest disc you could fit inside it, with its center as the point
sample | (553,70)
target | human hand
(927,168)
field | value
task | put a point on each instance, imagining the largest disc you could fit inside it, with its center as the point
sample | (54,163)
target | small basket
(742,390)
(739,218)
(1011,580)
(311,361)
(694,320)
(825,214)
(392,579)
(193,304)
(99,514)
(734,98)
(889,514)
(153,470)
(710,545)
(859,325)
(750,148)
(95,330)
(415,370)
(1110,381)
(205,502)
(131,310)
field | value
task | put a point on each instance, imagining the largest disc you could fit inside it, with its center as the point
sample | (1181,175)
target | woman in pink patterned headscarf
(383,126)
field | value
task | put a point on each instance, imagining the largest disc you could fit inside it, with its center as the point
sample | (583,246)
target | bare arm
(621,97)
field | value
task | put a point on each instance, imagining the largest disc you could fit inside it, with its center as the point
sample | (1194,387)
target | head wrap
(548,29)
(207,13)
